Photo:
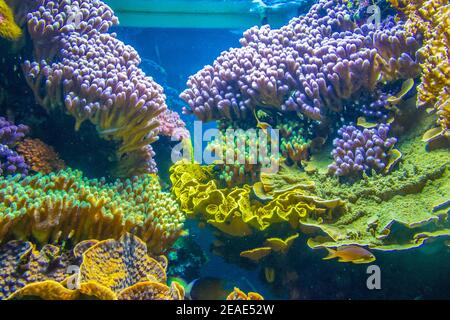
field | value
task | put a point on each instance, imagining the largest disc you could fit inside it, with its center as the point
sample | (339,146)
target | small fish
(406,87)
(264,126)
(208,288)
(352,254)
(108,131)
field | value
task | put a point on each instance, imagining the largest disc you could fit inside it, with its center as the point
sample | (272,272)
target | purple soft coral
(80,66)
(10,134)
(357,151)
(11,163)
(310,66)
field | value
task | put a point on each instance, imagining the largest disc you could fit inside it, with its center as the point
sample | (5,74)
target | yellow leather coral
(8,28)
(110,270)
(66,206)
(238,294)
(234,211)
(431,18)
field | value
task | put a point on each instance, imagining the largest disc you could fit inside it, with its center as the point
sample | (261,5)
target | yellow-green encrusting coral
(9,30)
(67,206)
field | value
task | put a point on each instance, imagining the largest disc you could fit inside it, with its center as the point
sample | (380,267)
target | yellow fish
(406,87)
(352,254)
(264,126)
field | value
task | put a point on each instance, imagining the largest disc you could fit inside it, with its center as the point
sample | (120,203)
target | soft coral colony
(324,76)
(55,218)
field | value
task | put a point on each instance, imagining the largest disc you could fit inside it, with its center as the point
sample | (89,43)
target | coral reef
(310,66)
(241,155)
(430,19)
(396,211)
(21,264)
(68,207)
(361,151)
(40,157)
(9,30)
(85,71)
(110,269)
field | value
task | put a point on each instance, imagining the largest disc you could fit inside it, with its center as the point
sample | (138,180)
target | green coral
(409,200)
(67,206)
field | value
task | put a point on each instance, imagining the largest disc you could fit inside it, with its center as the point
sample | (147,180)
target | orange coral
(39,156)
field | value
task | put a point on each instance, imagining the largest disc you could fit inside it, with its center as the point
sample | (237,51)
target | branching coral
(310,66)
(66,206)
(8,28)
(242,154)
(82,69)
(39,156)
(431,19)
(109,269)
(11,163)
(11,134)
